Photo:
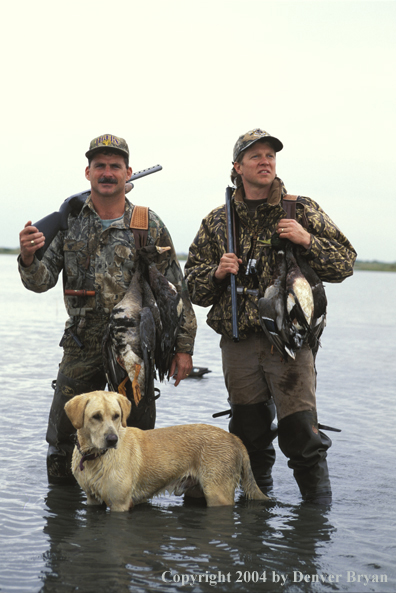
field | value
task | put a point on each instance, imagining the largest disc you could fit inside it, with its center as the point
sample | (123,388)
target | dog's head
(98,416)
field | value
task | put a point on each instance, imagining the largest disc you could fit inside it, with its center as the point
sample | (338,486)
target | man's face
(108,174)
(258,165)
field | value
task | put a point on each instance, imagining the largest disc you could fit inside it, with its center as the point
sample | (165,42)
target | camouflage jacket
(330,254)
(103,260)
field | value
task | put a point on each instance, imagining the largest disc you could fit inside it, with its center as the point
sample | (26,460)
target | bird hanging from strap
(293,309)
(143,327)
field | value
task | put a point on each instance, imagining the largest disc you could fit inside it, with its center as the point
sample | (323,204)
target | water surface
(50,541)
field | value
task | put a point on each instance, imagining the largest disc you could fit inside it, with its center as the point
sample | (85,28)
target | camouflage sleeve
(203,259)
(331,255)
(169,266)
(42,275)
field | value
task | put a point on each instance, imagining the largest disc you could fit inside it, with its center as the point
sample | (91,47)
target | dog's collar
(88,456)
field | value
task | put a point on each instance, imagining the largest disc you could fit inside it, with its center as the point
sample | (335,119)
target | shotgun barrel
(230,249)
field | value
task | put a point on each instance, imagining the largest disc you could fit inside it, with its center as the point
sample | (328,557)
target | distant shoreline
(373,266)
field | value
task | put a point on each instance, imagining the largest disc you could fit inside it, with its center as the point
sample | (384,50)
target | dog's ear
(75,409)
(126,406)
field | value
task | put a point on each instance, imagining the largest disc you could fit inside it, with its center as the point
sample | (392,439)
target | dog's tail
(248,482)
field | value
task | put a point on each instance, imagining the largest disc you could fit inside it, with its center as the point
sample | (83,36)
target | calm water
(50,541)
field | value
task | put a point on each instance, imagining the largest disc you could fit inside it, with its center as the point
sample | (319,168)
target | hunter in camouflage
(97,254)
(331,255)
(103,261)
(259,382)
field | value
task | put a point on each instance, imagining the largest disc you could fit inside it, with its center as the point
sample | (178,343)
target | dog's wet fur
(127,466)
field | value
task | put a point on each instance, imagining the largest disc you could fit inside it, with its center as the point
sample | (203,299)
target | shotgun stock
(230,249)
(58,221)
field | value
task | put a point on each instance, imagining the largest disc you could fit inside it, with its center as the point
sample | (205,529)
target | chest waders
(306,448)
(85,373)
(253,424)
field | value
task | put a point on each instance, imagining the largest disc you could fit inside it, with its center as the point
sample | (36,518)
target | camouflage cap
(253,136)
(107,141)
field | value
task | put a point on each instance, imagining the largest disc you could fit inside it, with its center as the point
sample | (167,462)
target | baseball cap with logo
(107,141)
(253,136)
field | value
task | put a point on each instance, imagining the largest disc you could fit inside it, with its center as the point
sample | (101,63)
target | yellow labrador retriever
(123,466)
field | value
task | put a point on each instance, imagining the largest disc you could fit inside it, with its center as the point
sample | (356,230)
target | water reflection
(167,543)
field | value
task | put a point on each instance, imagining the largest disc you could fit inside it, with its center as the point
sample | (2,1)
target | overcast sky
(180,81)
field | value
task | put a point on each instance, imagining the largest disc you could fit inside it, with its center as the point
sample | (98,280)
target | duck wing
(147,331)
(170,308)
(150,302)
(299,298)
(320,303)
(123,335)
(272,310)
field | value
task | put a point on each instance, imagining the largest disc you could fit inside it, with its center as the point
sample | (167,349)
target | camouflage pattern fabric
(253,136)
(331,255)
(103,260)
(107,141)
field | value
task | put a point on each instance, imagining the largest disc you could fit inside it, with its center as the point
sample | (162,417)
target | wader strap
(139,225)
(289,205)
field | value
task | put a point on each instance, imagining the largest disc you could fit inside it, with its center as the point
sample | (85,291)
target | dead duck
(143,327)
(272,308)
(124,334)
(293,309)
(299,300)
(170,306)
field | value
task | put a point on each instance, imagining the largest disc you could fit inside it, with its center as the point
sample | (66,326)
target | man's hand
(184,365)
(30,240)
(288,228)
(229,264)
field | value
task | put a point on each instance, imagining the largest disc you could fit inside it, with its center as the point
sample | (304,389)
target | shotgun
(58,221)
(230,249)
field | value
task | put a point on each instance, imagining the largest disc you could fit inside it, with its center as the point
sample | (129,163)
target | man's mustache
(107,180)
